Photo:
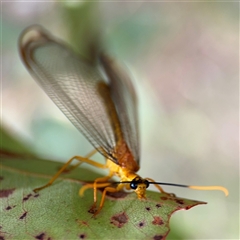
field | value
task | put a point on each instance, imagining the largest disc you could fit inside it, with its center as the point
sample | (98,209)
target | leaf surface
(58,212)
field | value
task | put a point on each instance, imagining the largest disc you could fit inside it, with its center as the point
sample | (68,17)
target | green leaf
(58,212)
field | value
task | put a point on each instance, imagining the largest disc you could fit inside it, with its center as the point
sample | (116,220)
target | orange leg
(103,179)
(98,183)
(80,159)
(80,162)
(107,189)
(91,185)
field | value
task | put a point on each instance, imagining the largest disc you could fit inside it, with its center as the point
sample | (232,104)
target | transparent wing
(125,101)
(82,94)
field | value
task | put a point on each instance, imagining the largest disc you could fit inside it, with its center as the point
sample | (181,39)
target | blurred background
(184,59)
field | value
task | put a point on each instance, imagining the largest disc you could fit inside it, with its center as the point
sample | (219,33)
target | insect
(102,104)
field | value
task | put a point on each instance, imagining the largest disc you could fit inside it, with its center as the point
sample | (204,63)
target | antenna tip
(225,191)
(220,188)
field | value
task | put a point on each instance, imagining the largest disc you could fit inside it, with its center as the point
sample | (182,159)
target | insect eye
(133,185)
(146,183)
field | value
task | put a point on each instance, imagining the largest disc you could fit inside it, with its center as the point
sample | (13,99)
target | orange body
(127,175)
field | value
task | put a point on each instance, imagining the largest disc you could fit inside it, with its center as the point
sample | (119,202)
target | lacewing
(100,101)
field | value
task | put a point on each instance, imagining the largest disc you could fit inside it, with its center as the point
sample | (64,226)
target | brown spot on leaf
(158,237)
(1,178)
(23,216)
(179,201)
(116,195)
(82,236)
(81,222)
(36,195)
(8,208)
(148,208)
(141,224)
(40,236)
(8,154)
(158,205)
(4,193)
(2,238)
(157,221)
(93,209)
(27,197)
(164,198)
(119,219)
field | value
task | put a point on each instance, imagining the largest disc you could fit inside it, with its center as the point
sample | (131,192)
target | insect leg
(107,189)
(91,185)
(98,183)
(81,159)
(80,162)
(102,179)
